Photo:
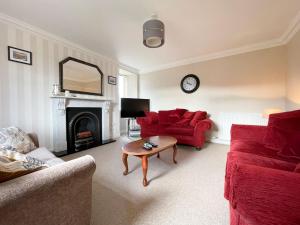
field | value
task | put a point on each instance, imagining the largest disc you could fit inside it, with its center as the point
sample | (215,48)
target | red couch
(187,127)
(262,181)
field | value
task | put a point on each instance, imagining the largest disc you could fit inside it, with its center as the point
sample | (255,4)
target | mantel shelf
(80,98)
(63,101)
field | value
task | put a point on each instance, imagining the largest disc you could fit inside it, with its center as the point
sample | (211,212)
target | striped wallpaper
(25,90)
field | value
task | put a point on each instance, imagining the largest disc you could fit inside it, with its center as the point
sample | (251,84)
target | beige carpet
(189,193)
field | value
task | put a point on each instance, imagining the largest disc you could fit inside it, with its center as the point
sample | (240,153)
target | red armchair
(262,182)
(187,127)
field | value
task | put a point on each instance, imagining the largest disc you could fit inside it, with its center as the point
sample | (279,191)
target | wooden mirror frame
(61,74)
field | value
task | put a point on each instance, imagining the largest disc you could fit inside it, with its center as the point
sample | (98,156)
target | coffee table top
(136,147)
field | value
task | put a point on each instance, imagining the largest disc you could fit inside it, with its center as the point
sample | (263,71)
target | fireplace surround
(84,128)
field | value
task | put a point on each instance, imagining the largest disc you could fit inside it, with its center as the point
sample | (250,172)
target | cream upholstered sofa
(58,195)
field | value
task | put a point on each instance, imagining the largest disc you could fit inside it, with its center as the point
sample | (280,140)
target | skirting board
(220,141)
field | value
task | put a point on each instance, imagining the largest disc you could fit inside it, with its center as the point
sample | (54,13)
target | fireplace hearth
(84,128)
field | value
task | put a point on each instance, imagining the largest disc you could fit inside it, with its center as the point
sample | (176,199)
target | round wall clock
(190,83)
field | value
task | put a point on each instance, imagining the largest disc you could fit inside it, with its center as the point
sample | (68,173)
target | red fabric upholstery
(280,127)
(261,184)
(188,131)
(297,169)
(265,196)
(199,115)
(152,117)
(164,116)
(188,115)
(234,157)
(183,122)
(181,130)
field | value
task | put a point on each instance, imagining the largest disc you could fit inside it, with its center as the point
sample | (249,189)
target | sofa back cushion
(167,117)
(164,116)
(188,115)
(183,122)
(283,134)
(152,117)
(199,115)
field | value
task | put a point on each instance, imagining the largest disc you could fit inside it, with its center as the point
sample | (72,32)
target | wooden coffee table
(135,148)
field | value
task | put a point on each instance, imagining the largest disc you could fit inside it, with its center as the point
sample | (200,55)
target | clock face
(190,83)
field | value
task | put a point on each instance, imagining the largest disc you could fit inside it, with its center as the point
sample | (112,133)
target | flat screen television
(134,107)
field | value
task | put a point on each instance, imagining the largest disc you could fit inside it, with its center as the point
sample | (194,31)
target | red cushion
(181,111)
(188,115)
(163,116)
(199,115)
(175,115)
(278,124)
(183,122)
(187,131)
(152,117)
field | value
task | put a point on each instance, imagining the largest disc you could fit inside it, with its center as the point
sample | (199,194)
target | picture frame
(112,80)
(19,55)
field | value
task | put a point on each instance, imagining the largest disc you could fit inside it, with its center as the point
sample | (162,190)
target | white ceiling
(194,28)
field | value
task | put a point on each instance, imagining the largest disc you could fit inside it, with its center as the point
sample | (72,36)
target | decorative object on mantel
(81,77)
(112,80)
(55,90)
(67,93)
(153,33)
(19,55)
(107,106)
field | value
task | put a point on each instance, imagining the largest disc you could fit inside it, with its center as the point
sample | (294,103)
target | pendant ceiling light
(153,33)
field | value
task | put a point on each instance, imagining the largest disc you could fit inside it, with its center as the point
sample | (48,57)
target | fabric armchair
(265,196)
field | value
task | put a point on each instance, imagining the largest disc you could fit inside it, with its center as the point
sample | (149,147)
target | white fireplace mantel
(110,115)
(63,101)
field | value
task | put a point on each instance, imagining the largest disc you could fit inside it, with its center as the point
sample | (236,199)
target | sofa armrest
(248,132)
(202,126)
(265,196)
(57,195)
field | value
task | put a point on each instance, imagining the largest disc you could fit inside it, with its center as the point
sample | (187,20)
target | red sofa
(262,181)
(187,127)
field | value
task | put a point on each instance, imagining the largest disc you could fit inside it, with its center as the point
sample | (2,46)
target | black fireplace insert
(84,128)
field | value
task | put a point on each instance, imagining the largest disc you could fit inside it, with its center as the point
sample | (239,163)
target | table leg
(158,156)
(174,153)
(145,168)
(124,158)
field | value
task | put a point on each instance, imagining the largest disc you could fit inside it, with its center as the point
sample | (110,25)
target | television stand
(133,129)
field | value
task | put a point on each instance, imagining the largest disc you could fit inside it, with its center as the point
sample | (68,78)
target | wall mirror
(81,77)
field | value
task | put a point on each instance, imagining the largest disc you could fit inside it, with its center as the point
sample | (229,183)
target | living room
(210,89)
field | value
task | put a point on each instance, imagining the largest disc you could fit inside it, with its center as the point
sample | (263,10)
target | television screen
(134,107)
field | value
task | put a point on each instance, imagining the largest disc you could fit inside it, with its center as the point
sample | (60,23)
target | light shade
(153,33)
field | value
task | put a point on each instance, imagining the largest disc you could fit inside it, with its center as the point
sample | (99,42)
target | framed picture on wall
(19,55)
(112,80)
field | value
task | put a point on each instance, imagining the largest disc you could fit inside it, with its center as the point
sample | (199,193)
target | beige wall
(246,83)
(293,75)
